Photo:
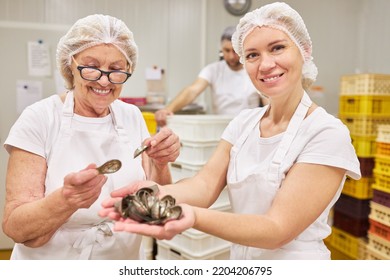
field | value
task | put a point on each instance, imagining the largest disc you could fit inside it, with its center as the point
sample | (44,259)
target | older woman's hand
(164,146)
(81,189)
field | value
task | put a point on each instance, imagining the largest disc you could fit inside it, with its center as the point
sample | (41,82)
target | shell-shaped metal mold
(145,206)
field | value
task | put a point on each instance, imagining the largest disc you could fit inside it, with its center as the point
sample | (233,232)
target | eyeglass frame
(102,72)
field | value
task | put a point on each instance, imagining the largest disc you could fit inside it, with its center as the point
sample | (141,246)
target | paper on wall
(28,92)
(38,57)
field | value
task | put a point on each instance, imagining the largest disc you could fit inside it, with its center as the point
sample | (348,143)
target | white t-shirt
(321,139)
(37,128)
(231,91)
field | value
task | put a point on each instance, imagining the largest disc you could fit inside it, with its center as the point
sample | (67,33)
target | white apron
(262,187)
(86,235)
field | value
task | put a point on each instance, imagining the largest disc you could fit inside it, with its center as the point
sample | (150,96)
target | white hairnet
(280,16)
(91,31)
(228,33)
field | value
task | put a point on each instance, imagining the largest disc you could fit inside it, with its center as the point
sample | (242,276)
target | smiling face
(273,62)
(92,98)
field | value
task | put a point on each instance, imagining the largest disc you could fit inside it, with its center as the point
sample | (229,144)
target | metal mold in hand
(145,207)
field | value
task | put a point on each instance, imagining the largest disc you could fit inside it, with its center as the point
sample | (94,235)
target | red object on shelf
(353,207)
(138,101)
(381,198)
(358,227)
(379,229)
(366,166)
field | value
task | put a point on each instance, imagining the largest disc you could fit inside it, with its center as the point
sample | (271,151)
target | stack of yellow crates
(378,247)
(364,105)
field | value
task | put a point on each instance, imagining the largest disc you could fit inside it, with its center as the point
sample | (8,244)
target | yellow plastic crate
(383,149)
(334,253)
(362,125)
(360,189)
(377,248)
(373,254)
(364,146)
(382,181)
(354,247)
(383,133)
(365,84)
(380,213)
(367,105)
(382,165)
(379,188)
(150,122)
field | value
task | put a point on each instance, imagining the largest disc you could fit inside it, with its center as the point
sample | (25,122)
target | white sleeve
(332,146)
(238,125)
(30,131)
(208,73)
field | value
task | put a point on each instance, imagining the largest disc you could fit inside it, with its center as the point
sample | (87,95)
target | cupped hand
(166,231)
(117,195)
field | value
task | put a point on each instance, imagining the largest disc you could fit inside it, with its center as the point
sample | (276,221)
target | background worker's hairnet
(228,33)
(282,17)
(91,31)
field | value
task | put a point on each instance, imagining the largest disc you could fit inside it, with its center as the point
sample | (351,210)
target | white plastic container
(180,170)
(165,251)
(223,202)
(198,127)
(196,153)
(196,243)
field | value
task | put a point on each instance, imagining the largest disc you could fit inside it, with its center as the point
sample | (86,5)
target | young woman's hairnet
(279,16)
(91,31)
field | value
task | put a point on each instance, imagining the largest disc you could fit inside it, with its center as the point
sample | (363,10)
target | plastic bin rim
(206,117)
(204,255)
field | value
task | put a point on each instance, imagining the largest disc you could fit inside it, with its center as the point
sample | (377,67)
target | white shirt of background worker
(231,88)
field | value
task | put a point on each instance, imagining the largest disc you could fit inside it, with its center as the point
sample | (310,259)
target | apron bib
(255,193)
(86,235)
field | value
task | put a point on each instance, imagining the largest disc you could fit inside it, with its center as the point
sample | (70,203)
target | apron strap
(288,137)
(116,116)
(67,111)
(253,121)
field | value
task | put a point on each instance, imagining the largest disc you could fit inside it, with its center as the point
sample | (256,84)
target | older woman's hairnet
(279,16)
(91,31)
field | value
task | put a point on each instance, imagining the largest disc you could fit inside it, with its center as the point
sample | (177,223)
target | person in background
(284,164)
(231,88)
(53,189)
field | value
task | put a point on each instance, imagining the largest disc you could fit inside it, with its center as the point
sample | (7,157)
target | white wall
(183,35)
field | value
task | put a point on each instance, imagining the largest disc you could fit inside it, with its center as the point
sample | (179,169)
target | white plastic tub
(196,153)
(198,127)
(180,170)
(165,251)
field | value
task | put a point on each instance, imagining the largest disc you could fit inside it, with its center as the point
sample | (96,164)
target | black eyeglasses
(93,74)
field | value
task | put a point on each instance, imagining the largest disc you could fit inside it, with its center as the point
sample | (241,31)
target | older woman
(54,189)
(284,164)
